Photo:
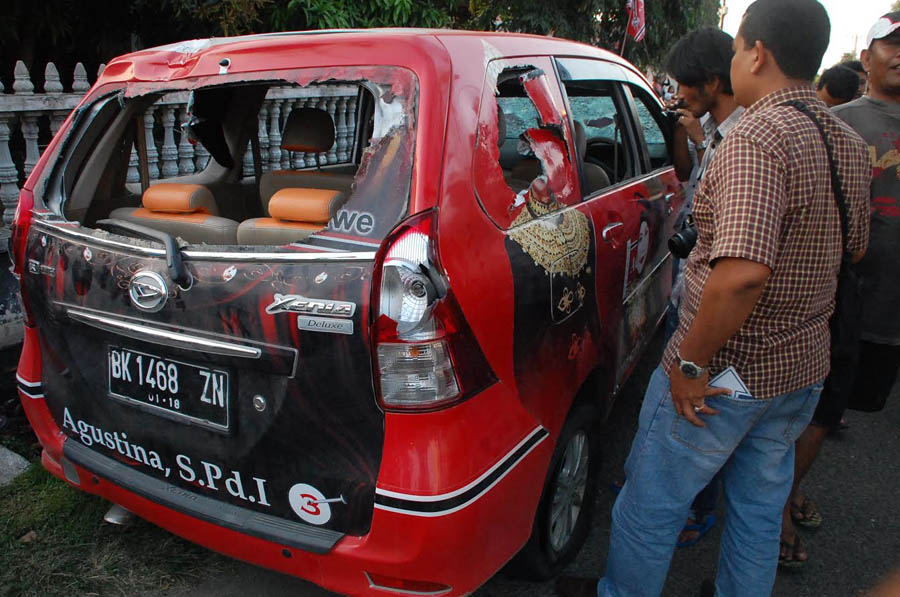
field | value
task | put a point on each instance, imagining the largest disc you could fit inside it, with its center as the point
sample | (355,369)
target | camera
(682,242)
(671,112)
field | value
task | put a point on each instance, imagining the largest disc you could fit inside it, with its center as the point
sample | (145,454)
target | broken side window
(523,160)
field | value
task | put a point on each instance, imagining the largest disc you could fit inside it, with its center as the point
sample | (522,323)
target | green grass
(76,553)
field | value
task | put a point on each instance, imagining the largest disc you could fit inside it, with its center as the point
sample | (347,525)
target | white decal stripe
(34,396)
(30,384)
(474,498)
(338,239)
(452,494)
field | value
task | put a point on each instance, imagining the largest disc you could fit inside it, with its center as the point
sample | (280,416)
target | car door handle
(607,233)
(668,199)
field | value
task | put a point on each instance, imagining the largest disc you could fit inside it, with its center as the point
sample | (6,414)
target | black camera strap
(836,184)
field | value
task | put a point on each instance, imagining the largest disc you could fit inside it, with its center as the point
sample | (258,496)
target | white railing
(29,119)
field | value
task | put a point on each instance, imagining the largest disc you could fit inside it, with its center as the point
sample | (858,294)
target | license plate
(183,391)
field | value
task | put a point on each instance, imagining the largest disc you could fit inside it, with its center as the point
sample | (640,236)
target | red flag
(637,26)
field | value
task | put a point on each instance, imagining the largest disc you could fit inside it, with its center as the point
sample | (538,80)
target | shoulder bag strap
(836,185)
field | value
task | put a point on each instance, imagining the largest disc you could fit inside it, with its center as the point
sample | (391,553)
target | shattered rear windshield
(346,131)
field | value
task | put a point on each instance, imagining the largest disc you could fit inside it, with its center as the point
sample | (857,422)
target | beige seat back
(185,210)
(296,214)
(595,177)
(309,130)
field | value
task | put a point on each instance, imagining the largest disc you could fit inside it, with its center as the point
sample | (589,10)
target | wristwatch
(689,369)
(702,145)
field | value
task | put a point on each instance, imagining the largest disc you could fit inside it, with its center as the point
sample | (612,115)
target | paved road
(856,483)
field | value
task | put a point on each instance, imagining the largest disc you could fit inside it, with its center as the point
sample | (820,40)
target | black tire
(548,550)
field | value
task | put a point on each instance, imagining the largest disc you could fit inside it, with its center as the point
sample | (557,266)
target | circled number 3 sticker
(309,504)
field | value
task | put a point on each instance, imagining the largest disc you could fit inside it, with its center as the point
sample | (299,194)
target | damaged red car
(348,305)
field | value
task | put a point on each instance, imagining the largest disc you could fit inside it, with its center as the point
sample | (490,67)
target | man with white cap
(876,117)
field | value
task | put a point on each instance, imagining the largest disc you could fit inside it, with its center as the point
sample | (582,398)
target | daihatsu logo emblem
(148,291)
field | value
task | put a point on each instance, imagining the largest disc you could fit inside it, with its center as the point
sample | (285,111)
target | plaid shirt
(767,198)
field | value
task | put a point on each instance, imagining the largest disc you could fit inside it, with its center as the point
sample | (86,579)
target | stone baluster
(201,157)
(152,153)
(57,119)
(9,176)
(275,135)
(30,130)
(297,160)
(264,136)
(80,82)
(286,107)
(247,162)
(351,126)
(169,151)
(52,84)
(185,148)
(100,69)
(22,84)
(332,151)
(322,158)
(340,127)
(133,174)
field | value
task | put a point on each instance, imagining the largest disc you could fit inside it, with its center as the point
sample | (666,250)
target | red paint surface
(439,452)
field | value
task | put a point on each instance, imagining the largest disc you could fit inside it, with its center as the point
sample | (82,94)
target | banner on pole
(637,26)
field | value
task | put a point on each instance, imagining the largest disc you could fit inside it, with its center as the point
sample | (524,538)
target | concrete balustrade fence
(29,118)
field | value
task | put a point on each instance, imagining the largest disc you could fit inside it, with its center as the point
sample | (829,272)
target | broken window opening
(523,154)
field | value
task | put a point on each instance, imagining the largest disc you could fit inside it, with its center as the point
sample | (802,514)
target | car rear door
(631,204)
(241,393)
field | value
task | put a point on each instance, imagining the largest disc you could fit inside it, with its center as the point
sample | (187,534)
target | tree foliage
(67,31)
(600,22)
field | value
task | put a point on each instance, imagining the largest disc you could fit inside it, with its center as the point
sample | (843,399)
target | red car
(348,305)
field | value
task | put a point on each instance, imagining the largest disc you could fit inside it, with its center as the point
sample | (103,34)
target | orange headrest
(305,205)
(169,197)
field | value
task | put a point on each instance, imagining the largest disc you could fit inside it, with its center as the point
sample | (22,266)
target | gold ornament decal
(559,244)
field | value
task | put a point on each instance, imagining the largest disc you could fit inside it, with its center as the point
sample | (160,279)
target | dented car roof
(422,50)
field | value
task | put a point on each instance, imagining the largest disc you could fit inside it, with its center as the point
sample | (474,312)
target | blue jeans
(751,442)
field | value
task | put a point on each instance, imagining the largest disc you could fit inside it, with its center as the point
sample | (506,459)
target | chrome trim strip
(251,257)
(66,229)
(377,587)
(648,278)
(158,336)
(335,239)
(73,231)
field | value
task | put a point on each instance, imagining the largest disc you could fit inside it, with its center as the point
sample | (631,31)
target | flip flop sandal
(790,560)
(701,528)
(806,514)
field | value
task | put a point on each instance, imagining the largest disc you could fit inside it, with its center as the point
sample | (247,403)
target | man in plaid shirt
(759,293)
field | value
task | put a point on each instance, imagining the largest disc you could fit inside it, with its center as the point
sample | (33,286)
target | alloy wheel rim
(568,497)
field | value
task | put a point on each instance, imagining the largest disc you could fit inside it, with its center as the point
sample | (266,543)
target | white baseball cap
(883,27)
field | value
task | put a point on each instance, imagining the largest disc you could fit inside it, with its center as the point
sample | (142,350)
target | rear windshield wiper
(177,270)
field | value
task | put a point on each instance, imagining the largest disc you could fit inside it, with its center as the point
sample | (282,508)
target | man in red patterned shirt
(759,293)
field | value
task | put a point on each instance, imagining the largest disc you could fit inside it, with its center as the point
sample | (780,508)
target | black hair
(701,56)
(840,81)
(795,31)
(854,65)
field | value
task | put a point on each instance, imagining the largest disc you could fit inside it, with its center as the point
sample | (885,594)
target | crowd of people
(781,316)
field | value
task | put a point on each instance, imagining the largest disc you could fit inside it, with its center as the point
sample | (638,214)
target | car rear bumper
(460,549)
(455,499)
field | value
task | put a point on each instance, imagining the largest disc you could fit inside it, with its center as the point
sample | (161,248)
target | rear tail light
(17,242)
(426,356)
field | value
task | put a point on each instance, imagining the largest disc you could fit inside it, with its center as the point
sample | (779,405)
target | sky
(849,18)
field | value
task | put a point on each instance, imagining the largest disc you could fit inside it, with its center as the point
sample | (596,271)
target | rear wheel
(564,514)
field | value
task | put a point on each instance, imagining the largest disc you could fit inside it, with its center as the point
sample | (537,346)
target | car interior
(190,163)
